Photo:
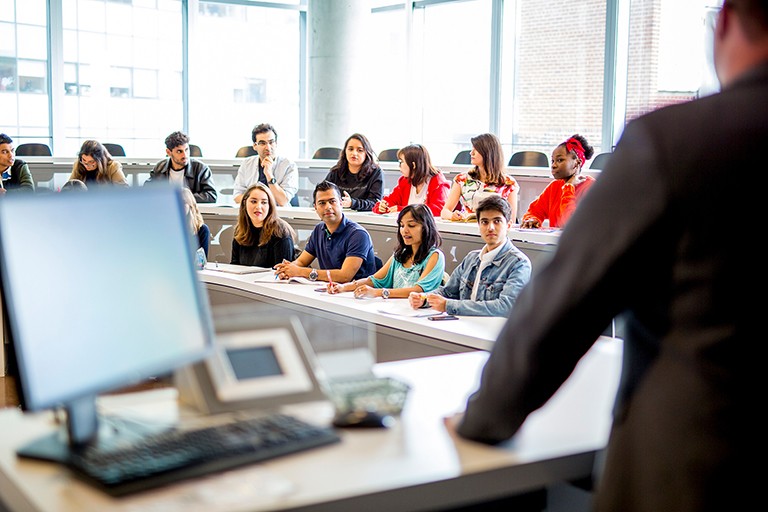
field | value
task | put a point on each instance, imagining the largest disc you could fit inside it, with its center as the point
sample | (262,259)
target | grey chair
(388,155)
(245,151)
(195,151)
(462,158)
(327,153)
(600,161)
(529,159)
(114,149)
(33,149)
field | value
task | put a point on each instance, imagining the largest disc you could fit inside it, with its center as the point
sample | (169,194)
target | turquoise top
(399,276)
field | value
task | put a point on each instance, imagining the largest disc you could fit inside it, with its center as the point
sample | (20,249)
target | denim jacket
(500,283)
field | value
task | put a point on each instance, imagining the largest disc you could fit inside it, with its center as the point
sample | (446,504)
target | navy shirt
(349,239)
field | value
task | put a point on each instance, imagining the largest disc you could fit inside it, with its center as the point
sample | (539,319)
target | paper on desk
(398,307)
(269,277)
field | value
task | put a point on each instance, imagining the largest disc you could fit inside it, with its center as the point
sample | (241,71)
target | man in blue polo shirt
(341,246)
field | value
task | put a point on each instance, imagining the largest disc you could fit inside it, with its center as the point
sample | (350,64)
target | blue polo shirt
(349,239)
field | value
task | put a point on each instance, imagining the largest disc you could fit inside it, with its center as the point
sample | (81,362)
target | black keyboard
(176,455)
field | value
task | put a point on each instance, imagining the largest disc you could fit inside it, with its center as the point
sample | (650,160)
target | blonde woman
(196,224)
(95,166)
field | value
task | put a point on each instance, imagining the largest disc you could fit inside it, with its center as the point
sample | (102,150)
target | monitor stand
(82,431)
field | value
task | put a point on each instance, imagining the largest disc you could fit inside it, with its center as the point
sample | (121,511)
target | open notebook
(234,269)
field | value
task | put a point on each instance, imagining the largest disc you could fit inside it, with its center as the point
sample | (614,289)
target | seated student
(95,166)
(486,177)
(417,264)
(15,172)
(420,183)
(74,186)
(342,247)
(487,281)
(558,201)
(357,174)
(196,224)
(267,167)
(182,170)
(262,238)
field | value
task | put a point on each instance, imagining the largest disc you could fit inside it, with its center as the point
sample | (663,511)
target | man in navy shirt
(343,248)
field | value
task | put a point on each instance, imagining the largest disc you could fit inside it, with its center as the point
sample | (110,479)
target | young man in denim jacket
(487,281)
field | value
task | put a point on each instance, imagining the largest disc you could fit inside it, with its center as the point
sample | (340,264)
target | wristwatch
(313,274)
(384,293)
(272,181)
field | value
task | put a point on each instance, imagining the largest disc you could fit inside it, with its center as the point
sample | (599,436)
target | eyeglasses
(263,143)
(91,163)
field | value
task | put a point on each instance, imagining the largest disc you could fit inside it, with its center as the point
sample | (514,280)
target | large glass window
(122,73)
(389,115)
(244,70)
(24,105)
(451,49)
(668,53)
(556,88)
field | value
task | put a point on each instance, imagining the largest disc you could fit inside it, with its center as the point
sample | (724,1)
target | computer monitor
(100,291)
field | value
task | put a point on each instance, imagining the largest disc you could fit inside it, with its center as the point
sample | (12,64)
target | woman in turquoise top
(417,264)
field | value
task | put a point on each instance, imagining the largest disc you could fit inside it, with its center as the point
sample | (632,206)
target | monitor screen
(100,291)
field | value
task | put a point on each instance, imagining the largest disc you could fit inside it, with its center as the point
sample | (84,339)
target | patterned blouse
(473,191)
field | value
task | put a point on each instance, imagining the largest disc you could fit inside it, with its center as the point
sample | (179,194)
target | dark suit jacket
(661,240)
(197,177)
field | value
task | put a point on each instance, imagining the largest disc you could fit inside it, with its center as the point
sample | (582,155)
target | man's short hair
(324,186)
(262,128)
(176,139)
(753,15)
(497,203)
(4,139)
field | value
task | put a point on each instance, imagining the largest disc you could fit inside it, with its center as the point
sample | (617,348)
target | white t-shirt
(485,259)
(176,177)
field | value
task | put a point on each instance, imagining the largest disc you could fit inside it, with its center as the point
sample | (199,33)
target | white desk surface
(469,331)
(414,465)
(367,219)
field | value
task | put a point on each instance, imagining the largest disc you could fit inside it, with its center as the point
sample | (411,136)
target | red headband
(574,145)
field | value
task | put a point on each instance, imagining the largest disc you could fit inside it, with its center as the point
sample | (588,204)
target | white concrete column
(339,68)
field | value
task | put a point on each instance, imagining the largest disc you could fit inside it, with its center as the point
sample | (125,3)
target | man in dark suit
(660,241)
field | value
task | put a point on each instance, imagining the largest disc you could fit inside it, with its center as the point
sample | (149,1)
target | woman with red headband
(558,201)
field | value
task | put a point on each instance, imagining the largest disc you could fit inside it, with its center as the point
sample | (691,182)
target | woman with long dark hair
(420,183)
(357,174)
(486,177)
(417,265)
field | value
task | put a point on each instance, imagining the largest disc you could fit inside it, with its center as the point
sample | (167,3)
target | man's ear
(723,22)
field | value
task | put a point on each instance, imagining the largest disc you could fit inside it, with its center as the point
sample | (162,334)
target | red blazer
(437,192)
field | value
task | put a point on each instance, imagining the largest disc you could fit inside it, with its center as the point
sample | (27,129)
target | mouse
(362,419)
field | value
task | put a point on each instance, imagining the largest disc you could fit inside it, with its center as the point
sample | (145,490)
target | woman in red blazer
(421,183)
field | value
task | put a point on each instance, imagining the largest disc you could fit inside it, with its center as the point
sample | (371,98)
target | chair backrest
(327,153)
(378,262)
(195,151)
(33,149)
(114,149)
(245,151)
(600,160)
(462,158)
(529,159)
(388,155)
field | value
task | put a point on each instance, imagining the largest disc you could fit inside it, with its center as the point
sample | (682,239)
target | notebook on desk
(235,269)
